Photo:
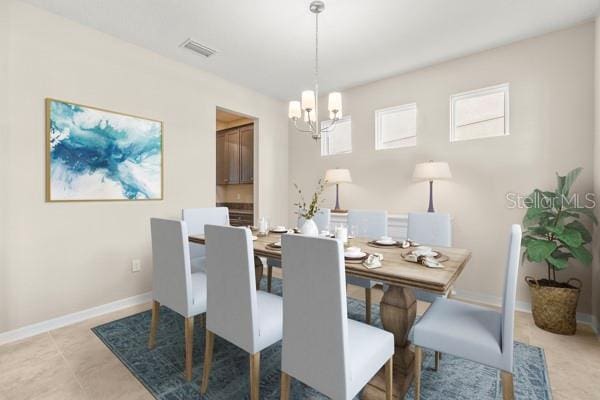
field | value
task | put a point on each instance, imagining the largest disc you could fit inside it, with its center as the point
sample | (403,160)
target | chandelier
(307,109)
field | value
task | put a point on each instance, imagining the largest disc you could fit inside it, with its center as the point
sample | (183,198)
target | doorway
(236,162)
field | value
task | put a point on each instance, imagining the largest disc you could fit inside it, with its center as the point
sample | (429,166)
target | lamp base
(430,209)
(337,208)
(339,211)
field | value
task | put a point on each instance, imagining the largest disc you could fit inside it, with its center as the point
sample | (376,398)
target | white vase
(309,228)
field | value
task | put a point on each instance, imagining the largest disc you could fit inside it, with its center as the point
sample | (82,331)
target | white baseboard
(523,306)
(69,319)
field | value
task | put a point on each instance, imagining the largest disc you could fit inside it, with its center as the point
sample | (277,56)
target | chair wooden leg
(208,356)
(438,357)
(285,386)
(368,305)
(418,356)
(189,347)
(154,324)
(269,278)
(258,271)
(389,377)
(254,376)
(507,386)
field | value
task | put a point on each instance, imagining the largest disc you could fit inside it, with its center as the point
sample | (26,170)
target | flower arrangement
(309,211)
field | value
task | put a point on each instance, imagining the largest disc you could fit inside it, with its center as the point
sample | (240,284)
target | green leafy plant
(310,210)
(554,231)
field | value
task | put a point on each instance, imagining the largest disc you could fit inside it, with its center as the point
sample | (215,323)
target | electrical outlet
(136,265)
(239,196)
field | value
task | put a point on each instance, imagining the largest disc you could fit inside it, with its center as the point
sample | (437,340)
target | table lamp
(337,176)
(431,171)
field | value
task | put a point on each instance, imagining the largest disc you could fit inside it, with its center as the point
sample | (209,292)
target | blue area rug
(160,369)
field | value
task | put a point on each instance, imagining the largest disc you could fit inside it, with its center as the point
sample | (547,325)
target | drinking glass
(263,226)
(353,234)
(331,227)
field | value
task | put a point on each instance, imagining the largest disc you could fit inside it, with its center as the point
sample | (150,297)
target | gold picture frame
(49,149)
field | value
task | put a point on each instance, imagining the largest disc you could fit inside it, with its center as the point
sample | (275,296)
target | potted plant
(553,235)
(307,212)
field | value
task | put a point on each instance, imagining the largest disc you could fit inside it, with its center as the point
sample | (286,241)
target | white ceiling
(268,45)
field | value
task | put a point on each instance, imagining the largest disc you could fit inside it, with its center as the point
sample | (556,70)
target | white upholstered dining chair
(473,332)
(196,218)
(236,311)
(430,229)
(371,224)
(322,218)
(174,284)
(434,229)
(321,346)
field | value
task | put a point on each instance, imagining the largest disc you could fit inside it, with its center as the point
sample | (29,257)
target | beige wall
(552,120)
(3,148)
(67,257)
(596,250)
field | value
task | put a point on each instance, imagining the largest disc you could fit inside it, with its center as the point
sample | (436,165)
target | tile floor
(71,363)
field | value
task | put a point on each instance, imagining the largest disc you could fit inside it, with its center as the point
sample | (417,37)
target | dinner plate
(386,242)
(374,243)
(355,256)
(279,231)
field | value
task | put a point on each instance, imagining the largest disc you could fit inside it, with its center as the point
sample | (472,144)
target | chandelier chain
(318,128)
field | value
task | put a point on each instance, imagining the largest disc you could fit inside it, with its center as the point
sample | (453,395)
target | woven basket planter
(554,308)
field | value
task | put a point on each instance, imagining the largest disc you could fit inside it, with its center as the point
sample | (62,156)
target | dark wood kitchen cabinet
(222,174)
(235,155)
(247,154)
(232,152)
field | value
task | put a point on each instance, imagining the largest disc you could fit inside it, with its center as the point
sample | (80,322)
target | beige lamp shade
(432,171)
(337,175)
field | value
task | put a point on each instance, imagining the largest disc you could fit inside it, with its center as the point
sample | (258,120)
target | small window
(396,127)
(339,139)
(479,113)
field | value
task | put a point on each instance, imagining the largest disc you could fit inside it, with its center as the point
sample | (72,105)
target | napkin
(373,261)
(431,263)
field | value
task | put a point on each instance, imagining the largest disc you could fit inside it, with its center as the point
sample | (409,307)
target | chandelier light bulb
(335,101)
(295,112)
(308,100)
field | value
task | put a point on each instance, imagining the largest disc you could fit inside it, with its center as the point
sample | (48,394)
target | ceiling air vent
(198,48)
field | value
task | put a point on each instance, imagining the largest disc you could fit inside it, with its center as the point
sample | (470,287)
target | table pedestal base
(258,271)
(398,309)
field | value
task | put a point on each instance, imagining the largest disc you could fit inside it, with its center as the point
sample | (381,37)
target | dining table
(398,306)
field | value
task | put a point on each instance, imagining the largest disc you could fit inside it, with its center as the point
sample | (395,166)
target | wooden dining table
(398,306)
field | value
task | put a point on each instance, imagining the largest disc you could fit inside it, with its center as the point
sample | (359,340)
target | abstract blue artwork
(95,154)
